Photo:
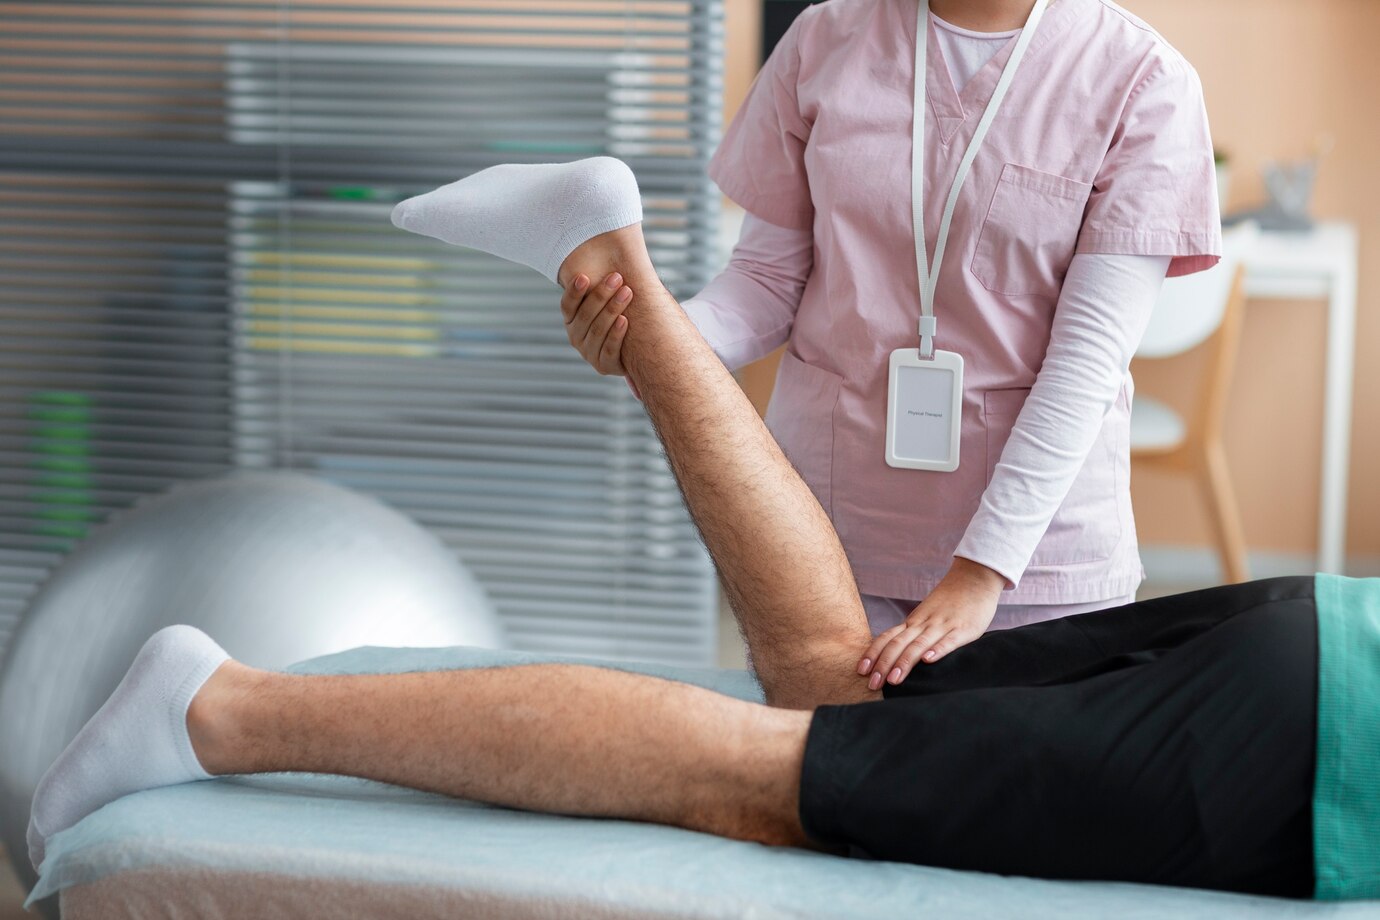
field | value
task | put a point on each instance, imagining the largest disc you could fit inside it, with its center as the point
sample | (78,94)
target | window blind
(197,274)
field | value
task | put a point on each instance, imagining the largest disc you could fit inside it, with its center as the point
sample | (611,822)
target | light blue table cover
(336,827)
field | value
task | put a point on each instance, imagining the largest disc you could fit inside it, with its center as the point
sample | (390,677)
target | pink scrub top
(1102,146)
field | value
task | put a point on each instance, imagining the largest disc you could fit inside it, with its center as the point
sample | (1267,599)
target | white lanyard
(927,275)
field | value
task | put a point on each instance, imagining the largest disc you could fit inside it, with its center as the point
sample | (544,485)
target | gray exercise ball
(277,567)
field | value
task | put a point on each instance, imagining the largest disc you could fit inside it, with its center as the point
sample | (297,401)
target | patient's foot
(532,214)
(138,740)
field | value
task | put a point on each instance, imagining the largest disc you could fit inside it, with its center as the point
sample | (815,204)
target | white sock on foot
(534,215)
(137,740)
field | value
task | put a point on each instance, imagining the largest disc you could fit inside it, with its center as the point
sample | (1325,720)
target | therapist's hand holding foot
(594,320)
(957,611)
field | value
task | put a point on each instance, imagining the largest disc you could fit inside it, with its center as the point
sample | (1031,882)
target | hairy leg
(781,562)
(543,737)
(560,738)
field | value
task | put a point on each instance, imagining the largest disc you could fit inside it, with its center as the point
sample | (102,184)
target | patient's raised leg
(781,562)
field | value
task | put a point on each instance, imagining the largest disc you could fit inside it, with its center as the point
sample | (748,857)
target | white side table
(1320,264)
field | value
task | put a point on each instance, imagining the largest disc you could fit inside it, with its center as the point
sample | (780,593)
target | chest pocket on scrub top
(1030,232)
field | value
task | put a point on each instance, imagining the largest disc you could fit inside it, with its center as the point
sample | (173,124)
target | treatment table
(297,845)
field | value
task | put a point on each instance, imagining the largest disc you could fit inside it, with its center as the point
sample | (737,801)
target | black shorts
(1170,741)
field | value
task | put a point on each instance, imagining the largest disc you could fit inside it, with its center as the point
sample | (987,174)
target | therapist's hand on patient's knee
(594,320)
(958,610)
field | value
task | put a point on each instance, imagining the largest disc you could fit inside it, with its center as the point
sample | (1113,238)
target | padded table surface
(307,845)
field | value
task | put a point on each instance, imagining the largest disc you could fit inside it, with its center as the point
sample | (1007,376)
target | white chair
(1201,310)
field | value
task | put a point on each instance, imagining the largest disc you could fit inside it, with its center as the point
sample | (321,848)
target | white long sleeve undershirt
(1102,314)
(1104,307)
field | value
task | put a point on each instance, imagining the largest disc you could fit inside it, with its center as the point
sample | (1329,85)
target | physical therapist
(959,215)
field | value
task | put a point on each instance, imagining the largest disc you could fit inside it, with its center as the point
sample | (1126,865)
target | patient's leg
(563,738)
(560,738)
(781,562)
(782,565)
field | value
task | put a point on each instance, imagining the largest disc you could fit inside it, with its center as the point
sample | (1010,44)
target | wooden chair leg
(1225,515)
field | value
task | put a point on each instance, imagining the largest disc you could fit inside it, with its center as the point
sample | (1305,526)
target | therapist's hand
(594,320)
(958,610)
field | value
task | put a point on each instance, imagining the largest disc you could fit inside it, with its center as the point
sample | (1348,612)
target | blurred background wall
(1277,75)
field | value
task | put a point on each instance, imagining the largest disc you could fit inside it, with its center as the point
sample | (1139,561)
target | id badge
(924,407)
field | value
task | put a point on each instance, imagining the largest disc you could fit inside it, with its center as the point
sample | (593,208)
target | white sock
(535,215)
(137,740)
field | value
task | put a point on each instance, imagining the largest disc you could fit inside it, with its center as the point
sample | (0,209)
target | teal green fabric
(1346,787)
